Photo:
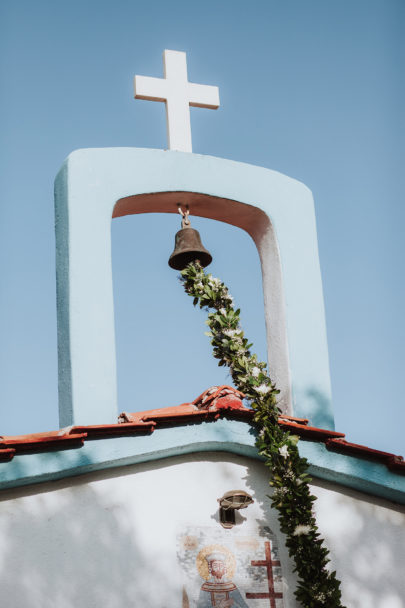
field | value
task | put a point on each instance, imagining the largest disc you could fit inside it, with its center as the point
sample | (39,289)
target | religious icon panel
(226,569)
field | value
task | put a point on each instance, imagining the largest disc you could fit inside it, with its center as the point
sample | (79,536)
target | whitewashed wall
(108,540)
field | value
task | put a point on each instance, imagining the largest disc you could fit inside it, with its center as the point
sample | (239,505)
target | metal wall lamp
(229,503)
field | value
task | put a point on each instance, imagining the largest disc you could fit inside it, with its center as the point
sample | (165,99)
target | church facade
(128,515)
(127,511)
(170,508)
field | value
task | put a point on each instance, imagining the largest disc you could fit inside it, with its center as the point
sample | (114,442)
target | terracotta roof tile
(308,432)
(97,431)
(39,442)
(7,454)
(187,412)
(394,463)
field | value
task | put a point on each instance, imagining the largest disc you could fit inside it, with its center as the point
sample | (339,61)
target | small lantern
(229,503)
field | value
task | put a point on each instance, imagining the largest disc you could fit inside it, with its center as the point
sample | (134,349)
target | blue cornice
(230,436)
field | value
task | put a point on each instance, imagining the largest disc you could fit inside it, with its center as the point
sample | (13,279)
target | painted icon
(226,569)
(216,564)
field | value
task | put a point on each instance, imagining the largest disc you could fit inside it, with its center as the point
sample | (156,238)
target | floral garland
(317,586)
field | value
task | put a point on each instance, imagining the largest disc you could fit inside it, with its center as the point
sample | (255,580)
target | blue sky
(312,89)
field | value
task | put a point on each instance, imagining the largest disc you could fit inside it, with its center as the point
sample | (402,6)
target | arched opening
(277,212)
(163,356)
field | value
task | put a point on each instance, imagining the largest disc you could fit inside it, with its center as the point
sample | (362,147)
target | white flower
(301,529)
(280,492)
(222,311)
(199,285)
(283,451)
(289,475)
(214,283)
(261,434)
(256,371)
(263,389)
(231,333)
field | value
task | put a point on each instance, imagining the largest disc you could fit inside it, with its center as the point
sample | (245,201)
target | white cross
(179,94)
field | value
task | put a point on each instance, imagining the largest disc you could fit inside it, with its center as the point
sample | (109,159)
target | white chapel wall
(129,537)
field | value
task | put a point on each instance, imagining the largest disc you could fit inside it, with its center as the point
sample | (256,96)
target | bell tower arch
(95,185)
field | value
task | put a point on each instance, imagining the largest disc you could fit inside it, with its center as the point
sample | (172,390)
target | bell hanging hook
(185,222)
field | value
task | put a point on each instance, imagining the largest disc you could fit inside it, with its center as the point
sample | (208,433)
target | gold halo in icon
(202,563)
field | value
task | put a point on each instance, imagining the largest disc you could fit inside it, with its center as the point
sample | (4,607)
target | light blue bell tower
(95,185)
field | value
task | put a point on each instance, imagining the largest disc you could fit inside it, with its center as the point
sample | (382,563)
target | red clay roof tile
(394,463)
(40,442)
(7,454)
(97,431)
(308,432)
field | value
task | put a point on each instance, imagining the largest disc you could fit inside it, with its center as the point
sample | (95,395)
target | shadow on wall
(366,539)
(72,549)
(261,493)
(68,544)
(318,408)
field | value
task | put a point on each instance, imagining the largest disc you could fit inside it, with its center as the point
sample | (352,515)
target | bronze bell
(187,245)
(188,248)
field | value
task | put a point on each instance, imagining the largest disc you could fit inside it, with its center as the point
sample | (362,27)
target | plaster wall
(109,538)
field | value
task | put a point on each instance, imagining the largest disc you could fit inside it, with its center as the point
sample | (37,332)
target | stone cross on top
(178,94)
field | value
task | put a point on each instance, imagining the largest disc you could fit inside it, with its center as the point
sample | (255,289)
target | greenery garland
(317,587)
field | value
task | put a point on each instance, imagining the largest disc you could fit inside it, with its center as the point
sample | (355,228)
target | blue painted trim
(231,436)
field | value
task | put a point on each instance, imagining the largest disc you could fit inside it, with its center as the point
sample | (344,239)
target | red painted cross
(267,563)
